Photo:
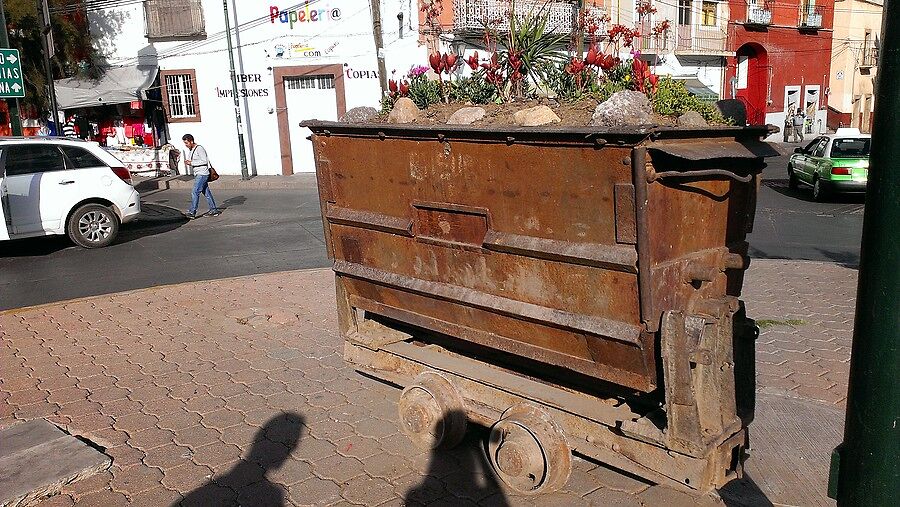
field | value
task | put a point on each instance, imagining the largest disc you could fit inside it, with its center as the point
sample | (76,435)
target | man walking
(799,123)
(197,159)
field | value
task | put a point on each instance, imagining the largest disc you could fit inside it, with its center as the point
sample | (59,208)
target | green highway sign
(11,84)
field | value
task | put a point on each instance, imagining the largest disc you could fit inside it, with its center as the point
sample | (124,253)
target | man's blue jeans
(201,187)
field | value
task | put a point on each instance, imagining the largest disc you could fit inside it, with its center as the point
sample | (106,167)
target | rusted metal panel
(566,256)
(626,228)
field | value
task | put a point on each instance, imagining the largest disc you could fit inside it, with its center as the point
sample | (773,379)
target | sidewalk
(234,390)
(226,182)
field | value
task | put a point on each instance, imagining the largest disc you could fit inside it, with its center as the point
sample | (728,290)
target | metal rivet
(626,161)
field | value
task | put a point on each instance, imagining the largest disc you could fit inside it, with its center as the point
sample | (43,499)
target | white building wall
(343,37)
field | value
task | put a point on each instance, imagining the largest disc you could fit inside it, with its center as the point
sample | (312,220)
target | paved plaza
(234,391)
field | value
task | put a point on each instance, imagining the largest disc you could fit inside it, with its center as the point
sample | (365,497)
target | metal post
(865,468)
(579,32)
(379,44)
(47,37)
(14,119)
(245,175)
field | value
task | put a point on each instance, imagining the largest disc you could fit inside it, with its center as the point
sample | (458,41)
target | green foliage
(424,91)
(568,87)
(672,98)
(529,50)
(75,49)
(473,89)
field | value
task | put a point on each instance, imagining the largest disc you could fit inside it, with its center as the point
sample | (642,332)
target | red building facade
(782,58)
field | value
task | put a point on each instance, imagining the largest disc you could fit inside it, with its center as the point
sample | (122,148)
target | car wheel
(819,192)
(93,226)
(792,179)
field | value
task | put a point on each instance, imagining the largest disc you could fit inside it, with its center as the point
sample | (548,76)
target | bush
(472,89)
(672,98)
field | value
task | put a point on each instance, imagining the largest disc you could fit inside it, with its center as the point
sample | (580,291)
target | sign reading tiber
(11,84)
(303,14)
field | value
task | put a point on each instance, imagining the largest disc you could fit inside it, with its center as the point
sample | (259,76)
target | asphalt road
(790,225)
(265,231)
(259,231)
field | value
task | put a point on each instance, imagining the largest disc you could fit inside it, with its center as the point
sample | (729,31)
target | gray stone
(404,111)
(360,115)
(37,459)
(734,110)
(691,119)
(535,116)
(466,116)
(623,108)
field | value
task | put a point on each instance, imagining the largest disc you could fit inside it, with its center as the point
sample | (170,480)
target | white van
(63,186)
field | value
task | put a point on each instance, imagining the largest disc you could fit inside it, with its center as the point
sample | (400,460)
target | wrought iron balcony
(811,16)
(686,40)
(474,15)
(759,13)
(869,58)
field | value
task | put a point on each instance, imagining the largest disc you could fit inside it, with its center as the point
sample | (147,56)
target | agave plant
(528,49)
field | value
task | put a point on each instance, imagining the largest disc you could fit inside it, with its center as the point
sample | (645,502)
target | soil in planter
(571,114)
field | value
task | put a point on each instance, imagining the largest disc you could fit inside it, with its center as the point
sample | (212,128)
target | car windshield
(850,148)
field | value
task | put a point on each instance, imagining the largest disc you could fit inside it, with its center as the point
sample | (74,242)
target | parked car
(63,186)
(833,163)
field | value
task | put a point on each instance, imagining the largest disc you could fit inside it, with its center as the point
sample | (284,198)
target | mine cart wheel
(528,451)
(432,413)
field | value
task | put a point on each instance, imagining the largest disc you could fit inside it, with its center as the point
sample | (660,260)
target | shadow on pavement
(744,493)
(271,448)
(462,471)
(233,201)
(804,193)
(153,220)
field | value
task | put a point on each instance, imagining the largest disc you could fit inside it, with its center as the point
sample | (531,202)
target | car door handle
(67,182)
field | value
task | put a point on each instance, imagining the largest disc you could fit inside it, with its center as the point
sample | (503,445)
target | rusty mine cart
(575,290)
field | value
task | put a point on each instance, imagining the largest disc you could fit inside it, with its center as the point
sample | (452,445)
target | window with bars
(180,96)
(324,82)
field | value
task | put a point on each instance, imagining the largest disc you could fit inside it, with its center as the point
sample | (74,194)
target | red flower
(451,62)
(443,62)
(404,88)
(575,66)
(473,61)
(392,85)
(435,60)
(591,58)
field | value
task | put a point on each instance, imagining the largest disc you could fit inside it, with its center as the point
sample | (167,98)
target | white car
(63,186)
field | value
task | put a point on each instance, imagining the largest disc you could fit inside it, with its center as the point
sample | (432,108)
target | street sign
(11,84)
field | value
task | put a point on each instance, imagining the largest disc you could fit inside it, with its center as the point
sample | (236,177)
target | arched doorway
(753,81)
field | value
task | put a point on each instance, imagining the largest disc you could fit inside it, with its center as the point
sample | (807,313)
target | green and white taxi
(837,162)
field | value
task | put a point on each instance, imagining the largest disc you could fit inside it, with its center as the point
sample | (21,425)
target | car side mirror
(798,150)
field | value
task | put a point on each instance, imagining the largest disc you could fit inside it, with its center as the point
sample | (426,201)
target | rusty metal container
(574,289)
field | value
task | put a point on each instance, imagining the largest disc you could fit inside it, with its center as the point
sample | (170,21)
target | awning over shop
(696,87)
(118,85)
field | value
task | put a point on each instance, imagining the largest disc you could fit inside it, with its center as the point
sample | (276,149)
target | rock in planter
(691,119)
(623,108)
(466,116)
(535,116)
(404,111)
(734,110)
(359,115)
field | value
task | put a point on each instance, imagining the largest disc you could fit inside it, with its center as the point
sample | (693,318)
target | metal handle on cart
(701,172)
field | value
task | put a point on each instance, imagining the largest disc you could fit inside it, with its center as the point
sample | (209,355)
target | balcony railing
(686,40)
(811,16)
(474,15)
(759,13)
(869,58)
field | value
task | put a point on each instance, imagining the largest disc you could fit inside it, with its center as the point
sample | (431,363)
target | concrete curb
(304,180)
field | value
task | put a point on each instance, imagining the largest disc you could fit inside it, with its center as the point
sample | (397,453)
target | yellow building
(857,31)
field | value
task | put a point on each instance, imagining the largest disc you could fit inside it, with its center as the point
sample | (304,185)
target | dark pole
(245,175)
(865,468)
(46,38)
(13,104)
(379,44)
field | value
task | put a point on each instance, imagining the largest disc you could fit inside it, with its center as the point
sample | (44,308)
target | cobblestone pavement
(234,391)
